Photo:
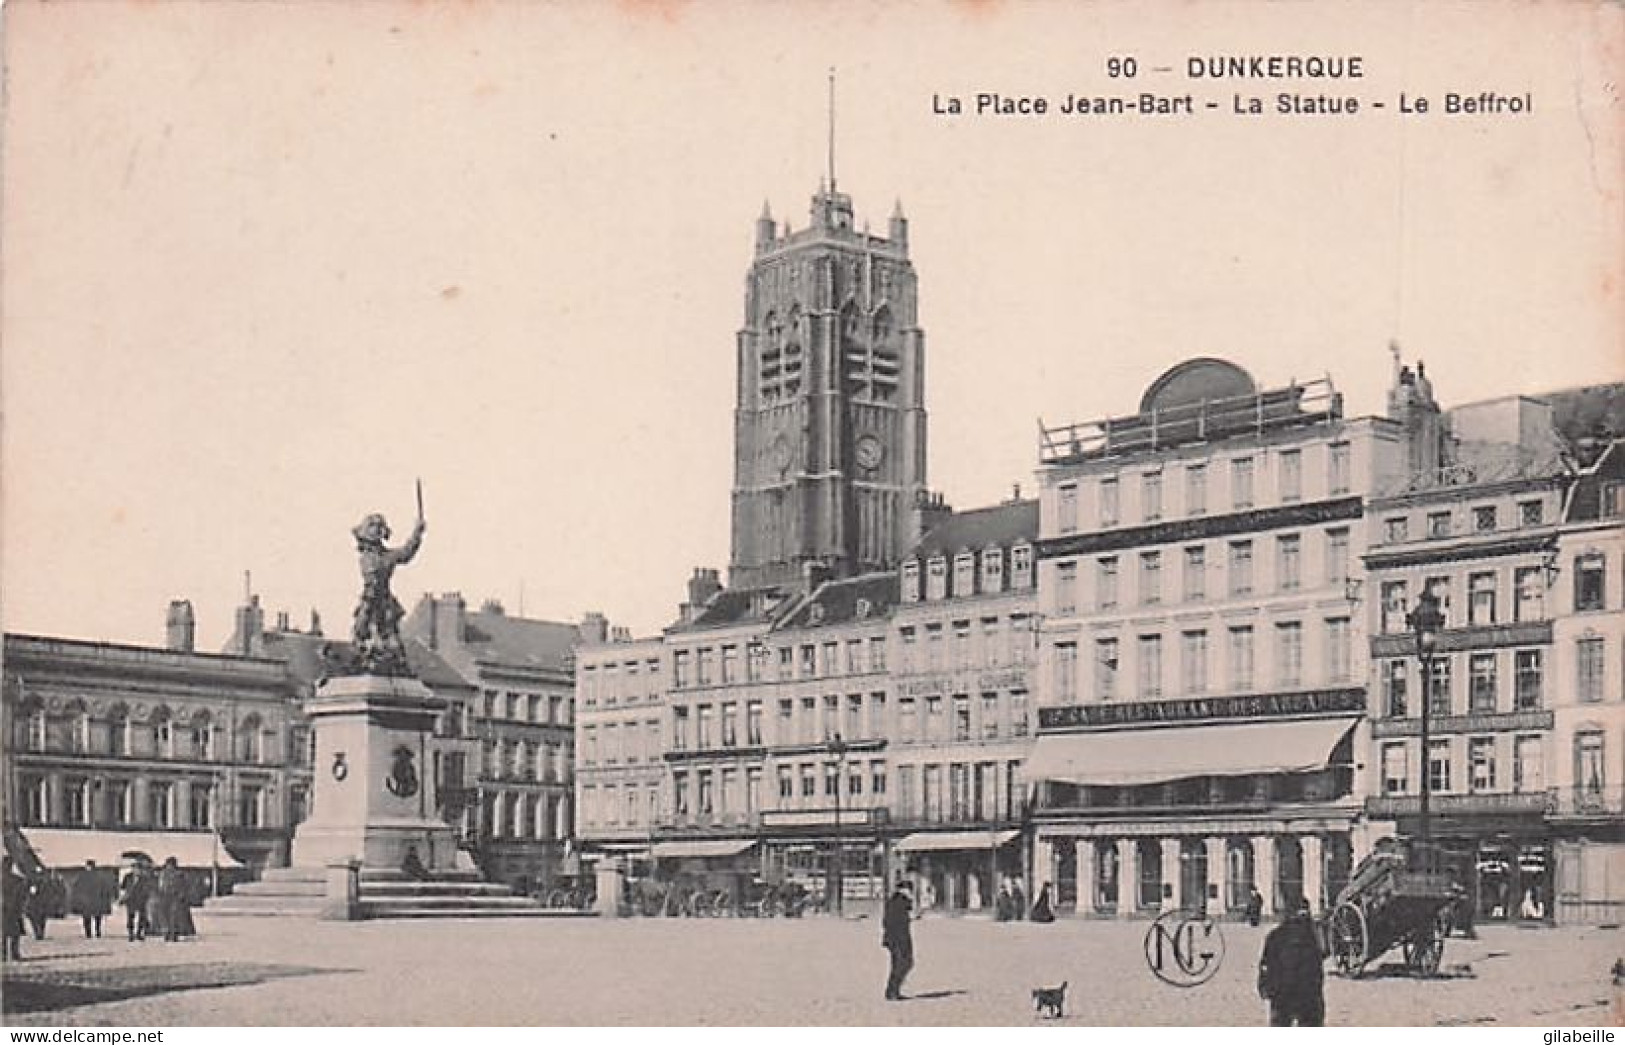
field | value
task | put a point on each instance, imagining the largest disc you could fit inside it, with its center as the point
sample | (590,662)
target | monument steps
(302,892)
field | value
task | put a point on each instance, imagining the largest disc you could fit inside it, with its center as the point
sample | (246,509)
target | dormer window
(911,580)
(936,577)
(815,613)
(862,609)
(964,574)
(993,569)
(1021,567)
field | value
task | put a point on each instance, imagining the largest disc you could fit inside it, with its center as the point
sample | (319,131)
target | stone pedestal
(374,794)
(609,877)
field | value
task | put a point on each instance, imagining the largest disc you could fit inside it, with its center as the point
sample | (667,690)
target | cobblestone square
(282,972)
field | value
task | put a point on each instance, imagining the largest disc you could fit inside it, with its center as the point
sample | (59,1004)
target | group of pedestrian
(156,902)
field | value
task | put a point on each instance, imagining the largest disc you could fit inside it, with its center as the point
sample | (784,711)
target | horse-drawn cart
(1389,904)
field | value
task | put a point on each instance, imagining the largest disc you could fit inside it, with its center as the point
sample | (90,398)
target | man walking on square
(1289,973)
(898,938)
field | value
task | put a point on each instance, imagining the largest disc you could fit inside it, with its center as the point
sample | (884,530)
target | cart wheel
(1425,948)
(1350,940)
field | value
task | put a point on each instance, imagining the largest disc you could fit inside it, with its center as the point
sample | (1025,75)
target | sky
(264,266)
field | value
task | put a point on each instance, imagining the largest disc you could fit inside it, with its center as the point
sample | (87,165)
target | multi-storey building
(1588,651)
(962,651)
(1202,664)
(1477,526)
(620,727)
(163,750)
(522,727)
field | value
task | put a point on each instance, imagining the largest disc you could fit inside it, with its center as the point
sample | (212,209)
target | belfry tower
(829,423)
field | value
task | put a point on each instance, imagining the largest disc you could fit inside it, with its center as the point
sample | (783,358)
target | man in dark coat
(898,938)
(12,901)
(1289,973)
(92,898)
(136,891)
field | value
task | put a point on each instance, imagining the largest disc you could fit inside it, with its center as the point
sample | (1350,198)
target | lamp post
(837,747)
(1426,621)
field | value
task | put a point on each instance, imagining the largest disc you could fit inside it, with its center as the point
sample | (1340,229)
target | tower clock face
(870,453)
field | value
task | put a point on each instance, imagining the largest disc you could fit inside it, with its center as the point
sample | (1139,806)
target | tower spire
(832,130)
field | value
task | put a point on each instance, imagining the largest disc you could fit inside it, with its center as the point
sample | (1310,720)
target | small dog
(1051,998)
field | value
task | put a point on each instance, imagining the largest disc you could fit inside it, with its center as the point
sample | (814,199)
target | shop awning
(705,848)
(1124,758)
(57,847)
(943,841)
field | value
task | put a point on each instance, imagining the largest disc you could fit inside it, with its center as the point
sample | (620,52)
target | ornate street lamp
(832,881)
(1426,621)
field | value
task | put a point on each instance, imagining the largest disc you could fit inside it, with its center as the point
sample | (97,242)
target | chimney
(702,586)
(315,622)
(493,607)
(620,633)
(930,510)
(282,623)
(180,627)
(449,620)
(594,628)
(248,640)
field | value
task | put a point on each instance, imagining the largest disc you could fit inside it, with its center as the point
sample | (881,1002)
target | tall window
(933,647)
(703,673)
(1106,669)
(1337,468)
(1193,660)
(907,730)
(1481,764)
(702,732)
(1150,655)
(753,723)
(730,736)
(161,804)
(992,646)
(1528,764)
(1108,501)
(1289,564)
(990,716)
(1439,765)
(1289,653)
(1195,574)
(1337,649)
(1241,567)
(1291,475)
(680,677)
(964,574)
(1481,598)
(1527,681)
(1337,555)
(1529,594)
(1106,583)
(1151,495)
(1241,658)
(1395,683)
(679,730)
(962,717)
(1066,672)
(730,665)
(1589,774)
(1021,567)
(1150,578)
(993,569)
(911,580)
(1241,482)
(202,802)
(1589,588)
(1067,512)
(78,802)
(250,806)
(1396,771)
(1394,600)
(1589,662)
(1196,489)
(1066,587)
(1481,682)
(1439,702)
(877,653)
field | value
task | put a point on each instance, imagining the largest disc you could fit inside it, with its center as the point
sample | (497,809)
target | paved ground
(798,972)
